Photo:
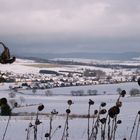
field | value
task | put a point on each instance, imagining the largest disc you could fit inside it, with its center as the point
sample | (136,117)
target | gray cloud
(70,25)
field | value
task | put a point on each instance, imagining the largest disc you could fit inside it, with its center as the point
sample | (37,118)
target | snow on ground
(23,66)
(19,67)
(30,66)
(78,126)
(101,89)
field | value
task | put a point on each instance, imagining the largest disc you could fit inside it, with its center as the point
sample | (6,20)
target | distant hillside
(99,56)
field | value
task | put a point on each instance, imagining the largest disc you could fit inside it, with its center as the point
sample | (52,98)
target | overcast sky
(55,26)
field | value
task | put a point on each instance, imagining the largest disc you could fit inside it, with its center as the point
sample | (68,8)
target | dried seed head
(95,112)
(119,122)
(54,112)
(118,103)
(103,111)
(15,104)
(113,111)
(91,102)
(139,112)
(103,104)
(40,107)
(123,93)
(69,102)
(68,111)
(103,120)
(30,125)
(139,81)
(47,135)
(37,122)
(59,126)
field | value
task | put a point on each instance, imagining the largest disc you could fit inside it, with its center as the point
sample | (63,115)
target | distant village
(46,79)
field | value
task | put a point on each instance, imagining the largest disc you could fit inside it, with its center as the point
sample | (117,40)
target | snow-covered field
(134,61)
(77,126)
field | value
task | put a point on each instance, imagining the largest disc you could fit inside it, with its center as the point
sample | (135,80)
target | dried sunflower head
(103,111)
(30,124)
(118,103)
(47,135)
(103,120)
(54,112)
(95,112)
(68,111)
(38,122)
(123,93)
(139,81)
(40,107)
(91,102)
(69,102)
(3,101)
(119,122)
(103,104)
(59,126)
(113,111)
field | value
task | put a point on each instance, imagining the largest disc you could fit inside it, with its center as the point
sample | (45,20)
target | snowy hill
(28,100)
(19,67)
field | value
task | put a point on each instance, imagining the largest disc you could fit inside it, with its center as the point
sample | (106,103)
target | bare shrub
(134,92)
(48,93)
(12,95)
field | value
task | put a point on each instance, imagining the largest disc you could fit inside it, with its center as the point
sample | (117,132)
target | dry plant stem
(112,128)
(118,98)
(95,127)
(137,128)
(6,128)
(67,128)
(108,128)
(92,128)
(133,127)
(35,127)
(114,124)
(42,133)
(29,129)
(50,130)
(104,130)
(93,122)
(54,131)
(63,135)
(35,132)
(115,128)
(27,138)
(28,133)
(102,138)
(88,129)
